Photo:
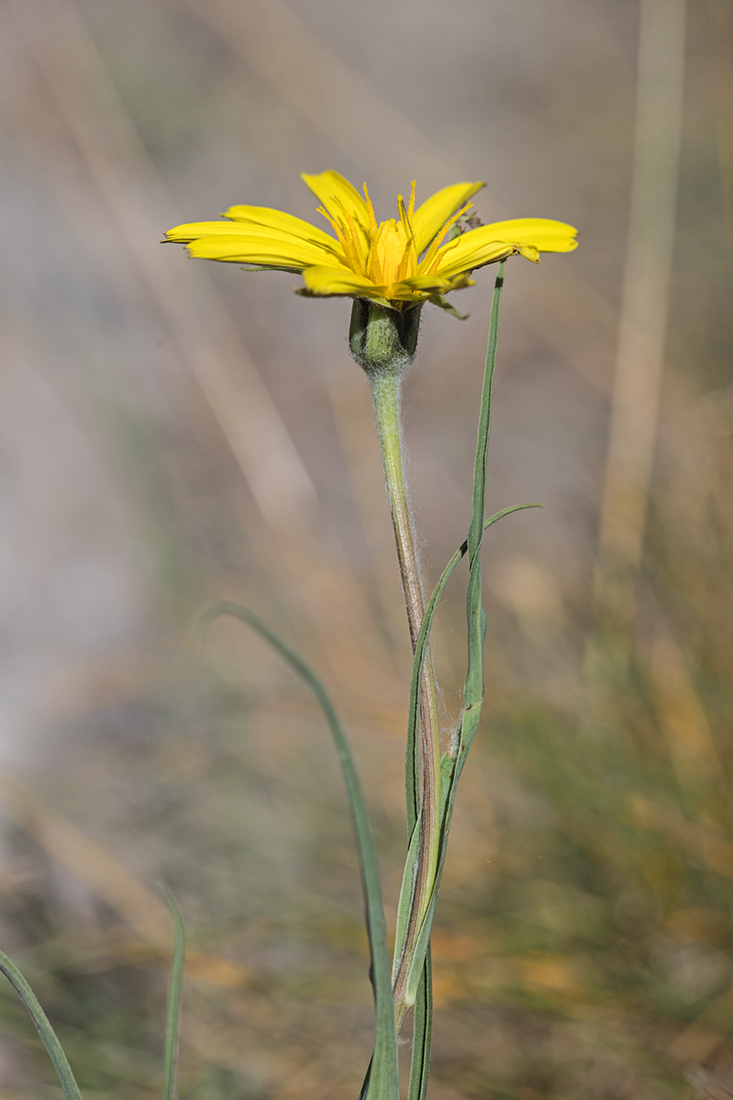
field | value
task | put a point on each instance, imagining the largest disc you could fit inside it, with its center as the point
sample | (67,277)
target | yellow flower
(400,263)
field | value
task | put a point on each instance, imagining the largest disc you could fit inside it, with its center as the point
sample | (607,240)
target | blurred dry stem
(684,722)
(143,911)
(702,845)
(206,338)
(136,198)
(347,110)
(644,313)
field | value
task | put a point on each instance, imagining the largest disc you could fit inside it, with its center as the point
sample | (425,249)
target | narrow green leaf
(422,1034)
(175,986)
(474,687)
(382,1080)
(43,1027)
(473,693)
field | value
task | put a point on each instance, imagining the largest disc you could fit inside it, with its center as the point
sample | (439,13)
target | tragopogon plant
(390,269)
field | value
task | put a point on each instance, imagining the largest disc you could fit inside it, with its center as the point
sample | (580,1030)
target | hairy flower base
(400,263)
(381,339)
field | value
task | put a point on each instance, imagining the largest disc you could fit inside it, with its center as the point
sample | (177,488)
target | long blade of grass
(382,1081)
(43,1027)
(175,986)
(474,687)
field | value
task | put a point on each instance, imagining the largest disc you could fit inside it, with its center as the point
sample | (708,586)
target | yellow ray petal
(261,248)
(279,220)
(243,231)
(182,234)
(339,280)
(432,214)
(530,236)
(543,233)
(337,195)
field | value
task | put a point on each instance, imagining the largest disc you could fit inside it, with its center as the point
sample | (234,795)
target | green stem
(386,392)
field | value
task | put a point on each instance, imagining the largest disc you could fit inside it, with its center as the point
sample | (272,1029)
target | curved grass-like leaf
(43,1027)
(175,985)
(382,1079)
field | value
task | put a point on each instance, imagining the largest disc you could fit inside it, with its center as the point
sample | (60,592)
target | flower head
(419,256)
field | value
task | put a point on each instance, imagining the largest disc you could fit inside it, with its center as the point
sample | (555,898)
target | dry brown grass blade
(645,303)
(139,204)
(320,86)
(200,966)
(682,717)
(297,542)
(142,910)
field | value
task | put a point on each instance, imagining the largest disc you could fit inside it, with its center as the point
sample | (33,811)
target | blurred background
(173,431)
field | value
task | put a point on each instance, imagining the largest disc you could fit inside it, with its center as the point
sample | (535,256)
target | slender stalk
(639,372)
(386,393)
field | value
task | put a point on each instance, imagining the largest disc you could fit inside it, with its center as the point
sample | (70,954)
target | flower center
(391,254)
(382,251)
(385,252)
